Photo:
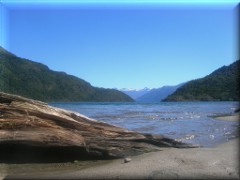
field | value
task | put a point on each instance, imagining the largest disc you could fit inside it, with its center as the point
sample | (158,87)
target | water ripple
(189,122)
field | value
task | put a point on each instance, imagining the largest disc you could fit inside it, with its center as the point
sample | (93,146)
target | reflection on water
(184,121)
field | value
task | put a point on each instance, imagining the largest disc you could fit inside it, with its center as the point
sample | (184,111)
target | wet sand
(233,117)
(169,163)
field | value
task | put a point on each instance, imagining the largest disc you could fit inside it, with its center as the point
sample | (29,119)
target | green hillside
(221,85)
(35,80)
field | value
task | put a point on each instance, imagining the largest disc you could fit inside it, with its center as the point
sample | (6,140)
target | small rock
(76,161)
(127,159)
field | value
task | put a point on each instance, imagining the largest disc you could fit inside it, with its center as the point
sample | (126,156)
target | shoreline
(220,161)
(228,117)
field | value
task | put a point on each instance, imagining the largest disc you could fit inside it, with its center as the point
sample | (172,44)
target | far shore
(169,163)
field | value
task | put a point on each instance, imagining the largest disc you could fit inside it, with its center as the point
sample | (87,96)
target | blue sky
(123,45)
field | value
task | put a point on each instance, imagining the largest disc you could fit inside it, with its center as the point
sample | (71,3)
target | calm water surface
(189,122)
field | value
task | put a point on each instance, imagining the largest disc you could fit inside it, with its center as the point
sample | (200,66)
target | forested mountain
(221,85)
(35,80)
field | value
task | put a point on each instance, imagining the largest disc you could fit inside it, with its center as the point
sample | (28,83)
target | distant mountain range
(157,95)
(35,80)
(221,85)
(135,93)
(150,95)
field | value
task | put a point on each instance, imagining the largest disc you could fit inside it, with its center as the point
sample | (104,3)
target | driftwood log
(33,130)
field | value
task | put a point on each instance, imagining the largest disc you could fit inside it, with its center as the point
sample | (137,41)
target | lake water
(189,122)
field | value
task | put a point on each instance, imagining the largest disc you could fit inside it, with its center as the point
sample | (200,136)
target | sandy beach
(169,163)
(233,117)
(219,162)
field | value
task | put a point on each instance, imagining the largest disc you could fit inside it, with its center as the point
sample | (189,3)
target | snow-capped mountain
(158,94)
(150,95)
(135,93)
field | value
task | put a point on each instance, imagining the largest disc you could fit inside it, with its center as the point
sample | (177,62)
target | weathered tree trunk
(33,128)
